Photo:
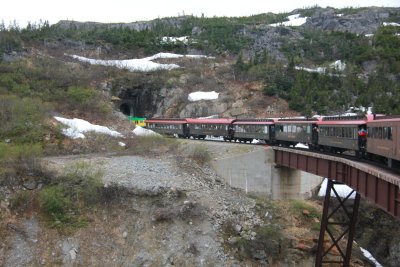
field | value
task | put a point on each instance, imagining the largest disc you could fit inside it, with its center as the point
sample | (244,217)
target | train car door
(314,134)
(396,140)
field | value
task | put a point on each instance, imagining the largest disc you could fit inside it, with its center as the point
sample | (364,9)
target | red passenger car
(293,131)
(168,127)
(200,128)
(248,129)
(384,139)
(343,133)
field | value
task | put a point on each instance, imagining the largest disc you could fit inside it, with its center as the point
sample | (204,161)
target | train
(366,136)
(137,121)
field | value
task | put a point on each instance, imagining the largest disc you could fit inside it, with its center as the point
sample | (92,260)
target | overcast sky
(23,11)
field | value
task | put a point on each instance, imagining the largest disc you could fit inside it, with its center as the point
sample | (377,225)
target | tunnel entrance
(126,109)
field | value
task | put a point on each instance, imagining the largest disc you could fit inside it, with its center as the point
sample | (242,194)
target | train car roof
(294,121)
(343,122)
(254,122)
(210,121)
(166,121)
(346,120)
(389,118)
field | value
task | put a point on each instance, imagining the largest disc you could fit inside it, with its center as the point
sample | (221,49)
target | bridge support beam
(332,239)
(378,185)
(375,184)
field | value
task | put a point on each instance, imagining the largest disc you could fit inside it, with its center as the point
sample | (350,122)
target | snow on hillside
(342,190)
(172,55)
(174,40)
(317,70)
(370,257)
(196,96)
(142,65)
(391,24)
(76,128)
(338,65)
(294,20)
(140,131)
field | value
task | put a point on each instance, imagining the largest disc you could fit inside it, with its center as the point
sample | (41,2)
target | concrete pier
(255,173)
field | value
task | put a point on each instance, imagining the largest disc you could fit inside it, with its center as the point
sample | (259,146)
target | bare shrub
(200,154)
(152,144)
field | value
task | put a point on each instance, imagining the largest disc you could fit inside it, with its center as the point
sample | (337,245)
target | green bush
(18,159)
(22,120)
(82,183)
(87,99)
(55,203)
(70,195)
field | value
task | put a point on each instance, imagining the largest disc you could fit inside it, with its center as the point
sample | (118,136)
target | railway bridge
(375,184)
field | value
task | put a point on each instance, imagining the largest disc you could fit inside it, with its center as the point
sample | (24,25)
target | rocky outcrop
(365,21)
(138,25)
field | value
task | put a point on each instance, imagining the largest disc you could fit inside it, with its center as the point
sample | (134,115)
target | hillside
(256,66)
(306,62)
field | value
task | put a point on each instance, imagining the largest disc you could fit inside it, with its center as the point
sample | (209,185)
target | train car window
(322,131)
(285,128)
(266,129)
(390,130)
(309,129)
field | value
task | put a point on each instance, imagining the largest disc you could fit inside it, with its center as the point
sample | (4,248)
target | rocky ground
(165,210)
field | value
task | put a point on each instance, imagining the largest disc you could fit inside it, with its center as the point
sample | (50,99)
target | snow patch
(174,40)
(391,24)
(294,20)
(320,70)
(141,65)
(342,190)
(197,96)
(140,131)
(76,128)
(368,255)
(300,145)
(337,65)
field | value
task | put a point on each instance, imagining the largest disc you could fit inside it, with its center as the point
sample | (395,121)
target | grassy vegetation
(299,207)
(66,199)
(150,145)
(200,154)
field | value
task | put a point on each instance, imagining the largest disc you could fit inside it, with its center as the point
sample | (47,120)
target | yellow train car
(137,121)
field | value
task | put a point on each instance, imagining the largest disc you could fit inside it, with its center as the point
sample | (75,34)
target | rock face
(363,22)
(138,25)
